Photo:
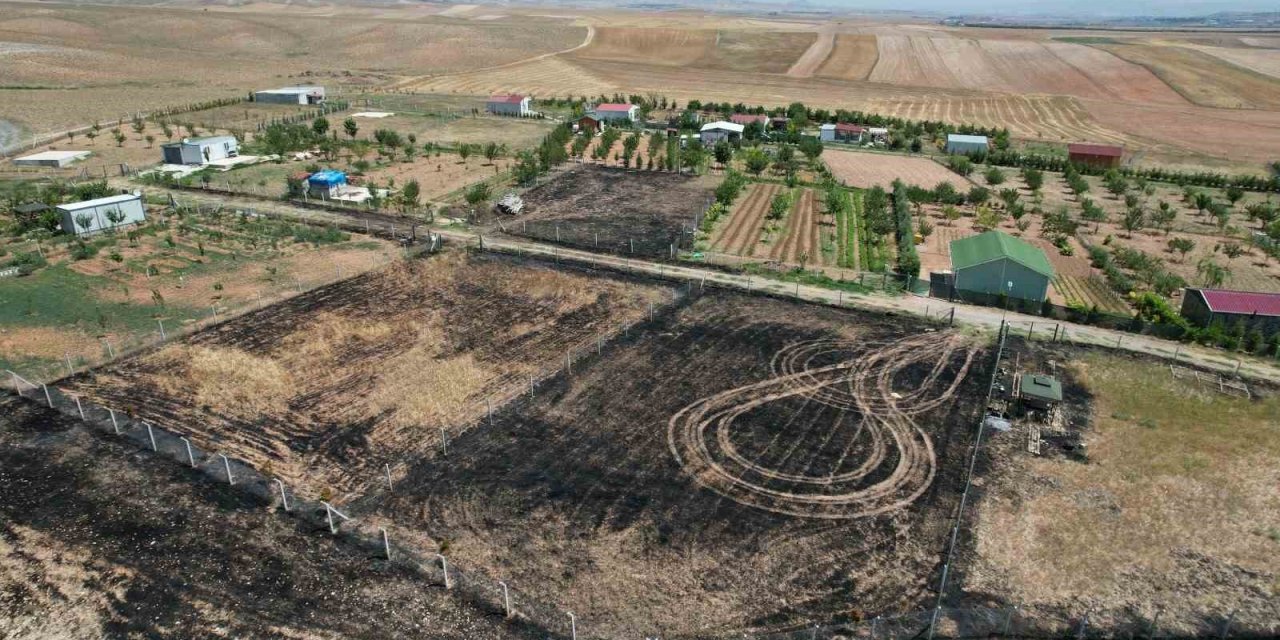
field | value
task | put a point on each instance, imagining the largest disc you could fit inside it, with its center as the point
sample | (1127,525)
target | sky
(1073,8)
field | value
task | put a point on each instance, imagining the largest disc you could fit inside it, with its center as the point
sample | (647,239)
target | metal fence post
(506,597)
(47,397)
(79,407)
(573,625)
(162,335)
(284,497)
(386,543)
(114,425)
(444,564)
(933,619)
(390,487)
(226,464)
(152,436)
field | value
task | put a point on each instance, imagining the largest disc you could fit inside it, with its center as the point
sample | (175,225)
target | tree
(756,160)
(1182,245)
(951,213)
(1134,219)
(409,195)
(723,152)
(1164,216)
(1262,212)
(811,148)
(1234,194)
(1202,201)
(491,151)
(1092,213)
(1232,250)
(960,164)
(166,130)
(1211,273)
(987,219)
(464,151)
(120,138)
(994,176)
(978,195)
(139,126)
(151,140)
(478,194)
(91,135)
(924,228)
(1009,197)
(320,126)
(115,216)
(1034,178)
(1221,215)
(351,127)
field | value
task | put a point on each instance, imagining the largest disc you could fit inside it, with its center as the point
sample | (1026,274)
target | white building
(94,216)
(509,105)
(614,112)
(714,132)
(291,95)
(957,143)
(200,150)
(56,159)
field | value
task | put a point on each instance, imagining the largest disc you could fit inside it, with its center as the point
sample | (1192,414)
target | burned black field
(639,213)
(742,464)
(99,539)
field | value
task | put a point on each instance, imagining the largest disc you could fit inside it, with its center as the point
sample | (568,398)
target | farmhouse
(957,143)
(841,132)
(714,132)
(200,150)
(291,95)
(996,264)
(509,105)
(56,159)
(615,112)
(92,216)
(779,123)
(588,123)
(1256,310)
(1102,156)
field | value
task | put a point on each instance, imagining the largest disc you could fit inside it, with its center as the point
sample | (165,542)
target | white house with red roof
(509,104)
(1258,310)
(841,132)
(616,111)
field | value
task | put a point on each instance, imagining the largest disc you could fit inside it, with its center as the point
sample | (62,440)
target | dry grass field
(865,170)
(1174,508)
(1203,78)
(852,57)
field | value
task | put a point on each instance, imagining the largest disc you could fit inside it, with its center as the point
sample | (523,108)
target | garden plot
(628,212)
(866,170)
(744,464)
(806,235)
(325,388)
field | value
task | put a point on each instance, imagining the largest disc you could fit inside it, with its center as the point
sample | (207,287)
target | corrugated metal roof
(209,140)
(747,118)
(723,126)
(851,128)
(1089,149)
(994,245)
(86,204)
(292,90)
(956,137)
(613,106)
(1041,386)
(1241,302)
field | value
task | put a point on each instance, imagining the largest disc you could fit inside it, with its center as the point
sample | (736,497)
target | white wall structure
(290,95)
(95,213)
(57,159)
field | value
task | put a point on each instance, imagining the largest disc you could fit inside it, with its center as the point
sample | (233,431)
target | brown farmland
(326,387)
(865,170)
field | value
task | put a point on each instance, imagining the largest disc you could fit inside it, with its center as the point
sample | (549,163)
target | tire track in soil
(747,234)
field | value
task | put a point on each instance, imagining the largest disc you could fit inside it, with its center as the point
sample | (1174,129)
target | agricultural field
(1168,510)
(757,51)
(102,540)
(80,303)
(107,154)
(805,234)
(326,387)
(742,464)
(852,57)
(451,129)
(865,170)
(616,210)
(1204,79)
(88,63)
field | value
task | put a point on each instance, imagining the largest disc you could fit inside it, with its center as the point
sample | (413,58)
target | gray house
(995,263)
(957,143)
(200,150)
(509,105)
(291,95)
(96,214)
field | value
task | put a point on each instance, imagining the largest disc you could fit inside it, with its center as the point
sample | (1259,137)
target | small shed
(200,150)
(509,105)
(326,183)
(1038,391)
(995,263)
(962,144)
(588,123)
(714,132)
(93,216)
(745,119)
(1102,156)
(291,95)
(1256,309)
(56,159)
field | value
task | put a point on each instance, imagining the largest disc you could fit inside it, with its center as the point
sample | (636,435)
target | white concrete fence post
(191,458)
(226,464)
(114,425)
(386,543)
(573,625)
(152,436)
(284,497)
(506,598)
(47,398)
(444,565)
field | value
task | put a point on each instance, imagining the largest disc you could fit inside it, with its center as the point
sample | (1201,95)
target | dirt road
(984,318)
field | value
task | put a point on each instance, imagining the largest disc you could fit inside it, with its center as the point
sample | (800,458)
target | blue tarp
(327,178)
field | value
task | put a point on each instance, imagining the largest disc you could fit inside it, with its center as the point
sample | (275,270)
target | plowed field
(866,170)
(325,388)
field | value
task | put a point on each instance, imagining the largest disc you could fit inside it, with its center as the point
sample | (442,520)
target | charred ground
(615,210)
(581,493)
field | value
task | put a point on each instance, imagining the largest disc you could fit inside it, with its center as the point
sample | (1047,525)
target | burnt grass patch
(585,496)
(324,389)
(620,211)
(101,539)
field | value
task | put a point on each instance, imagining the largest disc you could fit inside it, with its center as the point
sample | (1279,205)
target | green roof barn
(1039,391)
(997,263)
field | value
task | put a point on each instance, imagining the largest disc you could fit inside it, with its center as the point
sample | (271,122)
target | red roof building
(1095,155)
(511,98)
(747,118)
(509,104)
(1256,309)
(845,127)
(615,111)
